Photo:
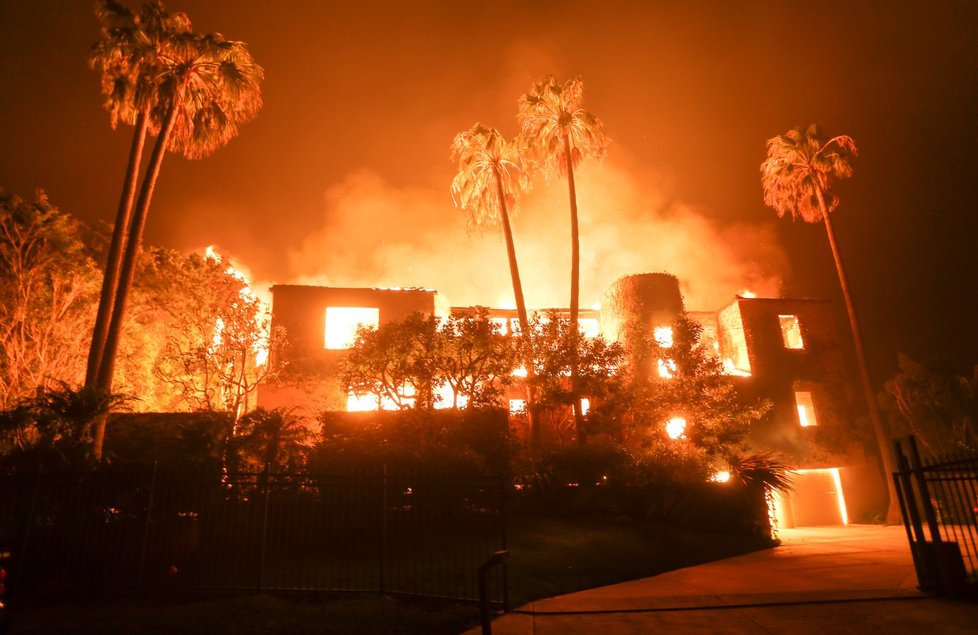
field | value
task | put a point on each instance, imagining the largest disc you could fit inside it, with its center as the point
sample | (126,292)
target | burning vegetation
(660,389)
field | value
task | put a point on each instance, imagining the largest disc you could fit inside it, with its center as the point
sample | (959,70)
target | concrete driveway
(821,580)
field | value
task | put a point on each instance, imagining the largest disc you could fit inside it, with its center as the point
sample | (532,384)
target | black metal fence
(939,503)
(413,533)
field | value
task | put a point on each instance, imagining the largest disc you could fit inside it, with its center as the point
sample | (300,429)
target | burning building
(319,325)
(789,351)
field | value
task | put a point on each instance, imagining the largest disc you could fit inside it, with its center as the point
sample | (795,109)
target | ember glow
(667,368)
(676,428)
(663,336)
(589,327)
(247,293)
(723,476)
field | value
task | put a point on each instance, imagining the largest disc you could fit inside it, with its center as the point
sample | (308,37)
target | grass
(548,556)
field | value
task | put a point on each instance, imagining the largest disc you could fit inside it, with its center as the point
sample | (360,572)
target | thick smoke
(376,235)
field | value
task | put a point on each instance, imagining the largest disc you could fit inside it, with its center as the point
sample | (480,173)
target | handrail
(495,559)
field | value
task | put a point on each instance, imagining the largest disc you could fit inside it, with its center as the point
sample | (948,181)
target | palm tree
(491,174)
(798,177)
(206,87)
(128,56)
(275,438)
(561,133)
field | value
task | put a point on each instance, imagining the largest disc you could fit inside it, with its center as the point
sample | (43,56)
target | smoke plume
(376,235)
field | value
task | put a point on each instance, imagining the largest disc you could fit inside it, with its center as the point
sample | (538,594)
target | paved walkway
(820,581)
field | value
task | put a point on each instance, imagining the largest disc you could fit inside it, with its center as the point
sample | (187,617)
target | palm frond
(552,112)
(800,167)
(763,469)
(486,161)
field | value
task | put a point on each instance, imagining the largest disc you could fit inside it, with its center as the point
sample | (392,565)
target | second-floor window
(342,323)
(791,331)
(806,409)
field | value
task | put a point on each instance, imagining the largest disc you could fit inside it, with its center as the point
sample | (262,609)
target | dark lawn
(548,556)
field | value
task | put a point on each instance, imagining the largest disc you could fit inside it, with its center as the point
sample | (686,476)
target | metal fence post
(383,531)
(925,501)
(149,520)
(32,510)
(503,490)
(263,547)
(497,558)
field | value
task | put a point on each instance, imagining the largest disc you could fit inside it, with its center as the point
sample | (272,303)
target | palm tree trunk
(103,381)
(514,272)
(893,515)
(110,280)
(575,292)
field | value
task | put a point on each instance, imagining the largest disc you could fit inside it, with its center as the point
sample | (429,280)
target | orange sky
(362,100)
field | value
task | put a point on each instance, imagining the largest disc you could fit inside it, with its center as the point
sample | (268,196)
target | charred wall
(818,367)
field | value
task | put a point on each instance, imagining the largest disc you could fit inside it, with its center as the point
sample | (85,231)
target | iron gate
(939,503)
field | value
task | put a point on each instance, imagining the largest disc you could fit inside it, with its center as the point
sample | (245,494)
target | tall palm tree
(206,87)
(561,133)
(491,175)
(798,178)
(128,57)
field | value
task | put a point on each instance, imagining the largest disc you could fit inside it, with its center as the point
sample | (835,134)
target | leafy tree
(598,363)
(476,359)
(47,288)
(799,177)
(561,133)
(202,87)
(405,363)
(717,418)
(937,406)
(397,362)
(216,332)
(491,175)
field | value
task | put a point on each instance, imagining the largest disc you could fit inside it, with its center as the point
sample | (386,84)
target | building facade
(789,351)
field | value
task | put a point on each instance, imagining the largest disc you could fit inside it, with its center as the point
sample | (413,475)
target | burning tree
(477,360)
(561,133)
(216,332)
(799,177)
(192,91)
(395,363)
(690,398)
(557,351)
(48,282)
(415,362)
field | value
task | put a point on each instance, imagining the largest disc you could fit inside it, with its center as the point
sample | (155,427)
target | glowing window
(502,323)
(589,327)
(663,336)
(342,323)
(667,368)
(676,428)
(361,403)
(791,331)
(517,406)
(585,406)
(723,476)
(445,397)
(368,403)
(806,409)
